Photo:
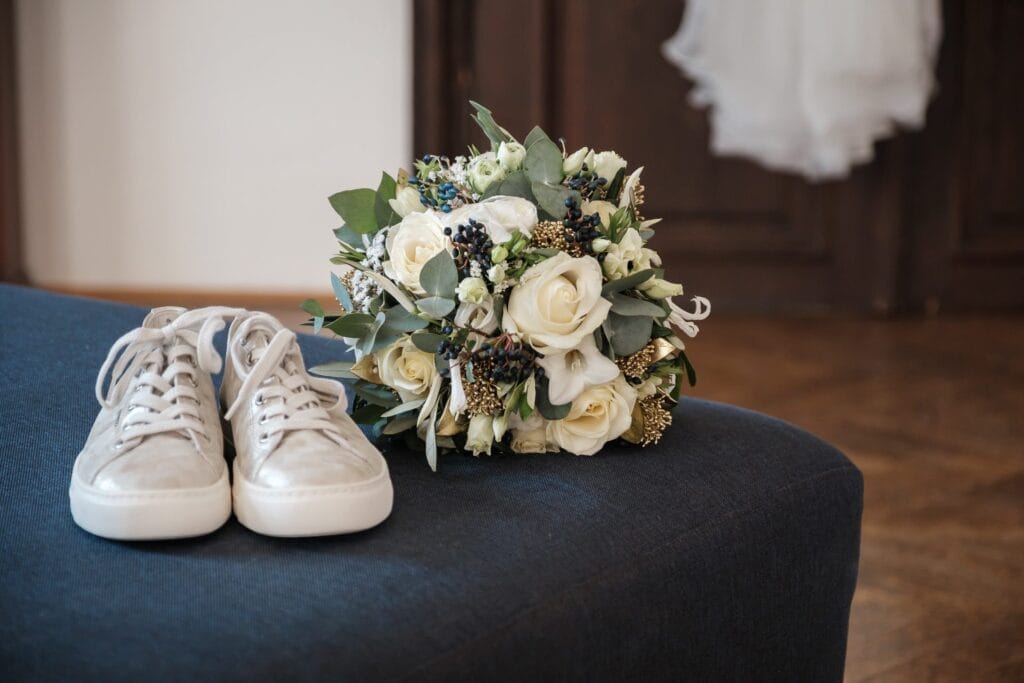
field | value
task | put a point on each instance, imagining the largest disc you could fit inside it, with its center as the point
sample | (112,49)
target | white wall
(191,144)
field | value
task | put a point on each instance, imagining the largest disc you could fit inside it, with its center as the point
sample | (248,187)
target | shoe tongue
(163,315)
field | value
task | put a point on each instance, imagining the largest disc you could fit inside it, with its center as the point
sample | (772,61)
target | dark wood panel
(11,268)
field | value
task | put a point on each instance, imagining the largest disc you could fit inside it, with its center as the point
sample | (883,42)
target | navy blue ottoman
(729,552)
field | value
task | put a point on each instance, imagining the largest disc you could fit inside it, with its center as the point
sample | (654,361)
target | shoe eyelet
(248,358)
(258,400)
(119,443)
(263,419)
(264,437)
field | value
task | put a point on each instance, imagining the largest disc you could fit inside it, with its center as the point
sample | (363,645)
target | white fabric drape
(808,85)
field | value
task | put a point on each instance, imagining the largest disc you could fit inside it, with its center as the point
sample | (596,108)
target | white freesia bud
(501,217)
(607,164)
(499,254)
(472,290)
(626,257)
(407,370)
(511,155)
(480,435)
(484,171)
(406,201)
(597,416)
(600,244)
(410,244)
(656,288)
(573,163)
(557,303)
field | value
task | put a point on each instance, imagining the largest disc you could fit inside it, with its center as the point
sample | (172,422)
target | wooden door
(900,234)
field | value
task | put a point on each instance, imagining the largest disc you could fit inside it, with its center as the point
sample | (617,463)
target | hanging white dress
(808,85)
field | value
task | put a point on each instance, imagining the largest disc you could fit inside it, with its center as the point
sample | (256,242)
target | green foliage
(436,306)
(615,186)
(627,334)
(376,394)
(357,208)
(341,369)
(629,281)
(347,235)
(341,294)
(439,277)
(515,185)
(551,199)
(535,135)
(382,211)
(543,163)
(427,341)
(630,306)
(313,307)
(400,320)
(351,325)
(399,424)
(548,409)
(495,133)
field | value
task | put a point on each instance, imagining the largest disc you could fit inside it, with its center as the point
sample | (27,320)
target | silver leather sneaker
(153,465)
(302,466)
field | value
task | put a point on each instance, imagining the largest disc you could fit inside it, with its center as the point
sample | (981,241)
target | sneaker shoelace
(284,397)
(162,363)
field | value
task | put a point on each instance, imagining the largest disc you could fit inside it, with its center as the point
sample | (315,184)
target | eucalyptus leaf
(376,394)
(341,369)
(548,409)
(629,281)
(495,133)
(543,162)
(349,236)
(427,341)
(629,306)
(551,198)
(439,277)
(357,208)
(627,334)
(369,342)
(352,325)
(535,135)
(691,372)
(401,320)
(368,414)
(312,306)
(382,210)
(436,306)
(341,294)
(515,185)
(404,408)
(615,186)
(399,424)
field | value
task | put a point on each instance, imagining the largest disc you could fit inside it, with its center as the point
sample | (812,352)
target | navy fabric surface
(728,552)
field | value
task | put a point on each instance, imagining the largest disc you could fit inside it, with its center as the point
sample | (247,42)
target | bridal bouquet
(508,299)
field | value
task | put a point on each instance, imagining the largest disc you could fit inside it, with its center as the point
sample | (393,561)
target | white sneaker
(153,465)
(302,467)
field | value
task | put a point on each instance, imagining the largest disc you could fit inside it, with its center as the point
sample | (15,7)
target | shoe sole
(151,515)
(312,511)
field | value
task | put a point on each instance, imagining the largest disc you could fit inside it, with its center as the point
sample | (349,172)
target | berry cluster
(506,361)
(443,195)
(586,182)
(472,248)
(581,229)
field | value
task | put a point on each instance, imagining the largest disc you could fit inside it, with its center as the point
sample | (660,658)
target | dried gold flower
(635,365)
(551,235)
(650,419)
(482,393)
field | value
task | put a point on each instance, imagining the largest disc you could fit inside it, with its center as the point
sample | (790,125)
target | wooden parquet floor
(932,411)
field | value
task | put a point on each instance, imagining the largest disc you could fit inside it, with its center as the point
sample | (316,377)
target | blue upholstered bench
(727,552)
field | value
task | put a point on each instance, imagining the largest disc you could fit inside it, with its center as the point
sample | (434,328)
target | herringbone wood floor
(932,411)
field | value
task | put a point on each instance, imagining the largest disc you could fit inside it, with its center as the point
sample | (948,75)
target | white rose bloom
(573,163)
(472,290)
(571,372)
(628,256)
(406,201)
(485,170)
(407,370)
(480,435)
(511,155)
(501,215)
(607,164)
(480,316)
(410,244)
(597,416)
(557,303)
(530,435)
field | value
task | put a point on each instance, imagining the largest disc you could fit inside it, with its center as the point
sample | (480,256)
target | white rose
(407,370)
(472,290)
(485,170)
(500,215)
(557,303)
(573,163)
(406,201)
(511,155)
(410,244)
(530,435)
(480,435)
(626,257)
(480,316)
(607,164)
(597,416)
(656,288)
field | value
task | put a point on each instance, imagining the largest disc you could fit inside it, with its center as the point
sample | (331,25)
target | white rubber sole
(312,511)
(151,515)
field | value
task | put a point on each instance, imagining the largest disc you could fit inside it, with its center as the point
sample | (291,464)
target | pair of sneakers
(153,466)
